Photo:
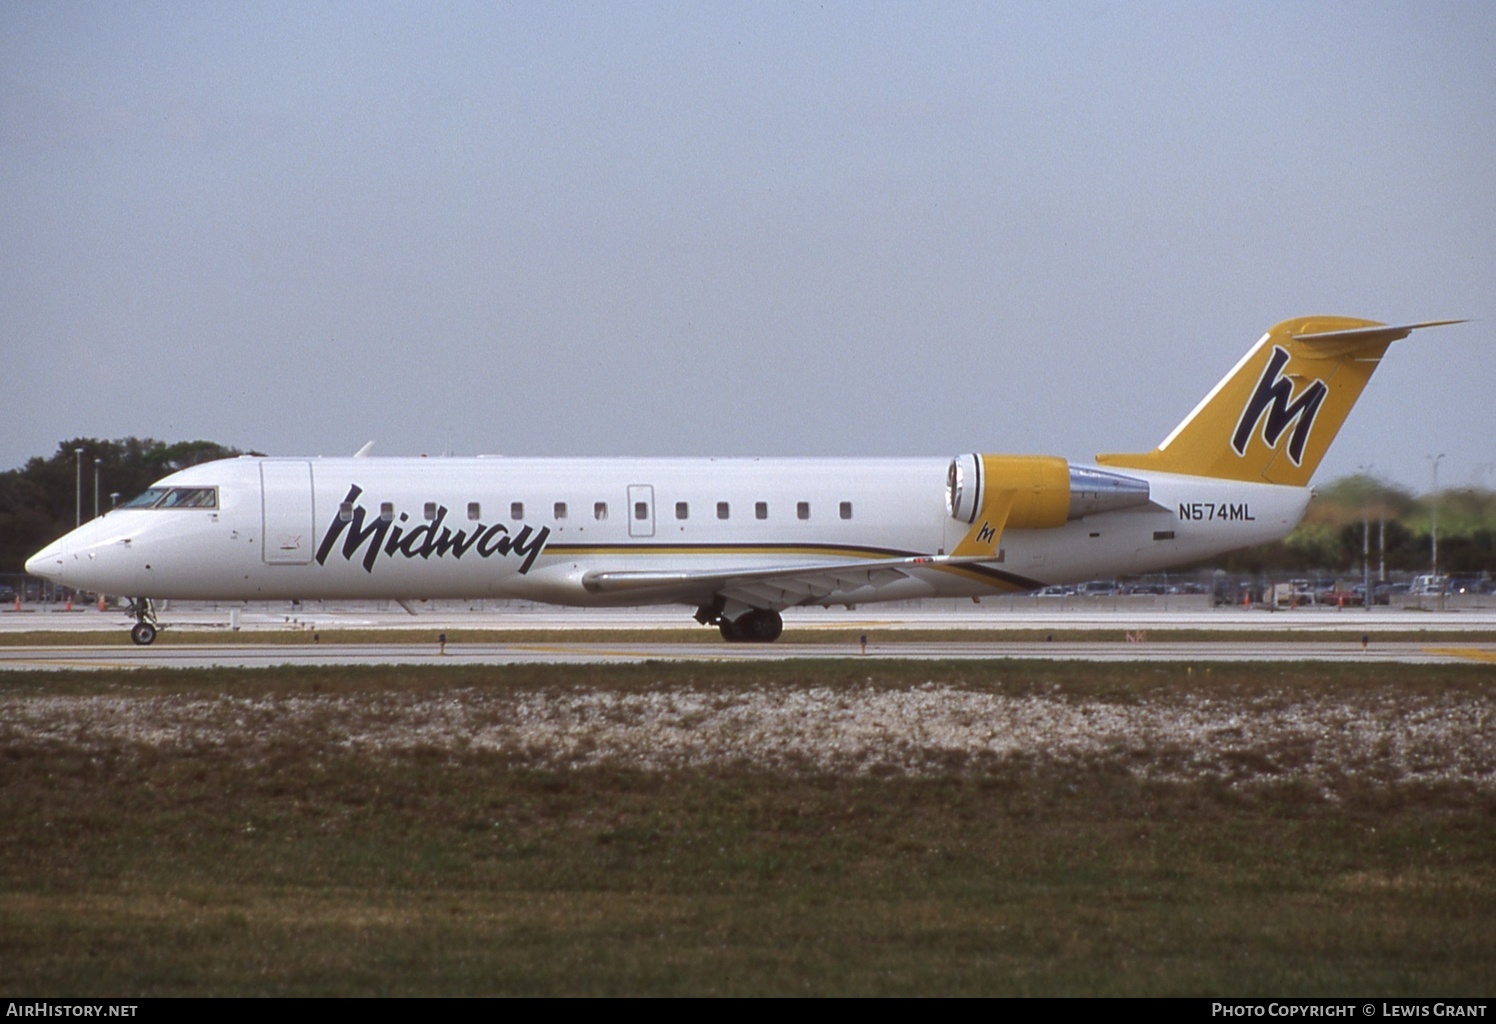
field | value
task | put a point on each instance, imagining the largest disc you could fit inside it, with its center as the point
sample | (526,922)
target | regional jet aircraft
(738,540)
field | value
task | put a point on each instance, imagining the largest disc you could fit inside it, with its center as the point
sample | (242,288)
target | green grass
(278,861)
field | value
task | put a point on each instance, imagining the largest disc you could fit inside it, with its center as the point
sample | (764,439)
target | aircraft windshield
(145,500)
(190,497)
(175,497)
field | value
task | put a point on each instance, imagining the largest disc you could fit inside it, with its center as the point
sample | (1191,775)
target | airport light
(78,490)
(97,462)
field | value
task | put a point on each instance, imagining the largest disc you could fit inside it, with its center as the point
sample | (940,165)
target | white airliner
(738,540)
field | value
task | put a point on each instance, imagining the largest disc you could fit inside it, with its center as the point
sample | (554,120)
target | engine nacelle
(1048,491)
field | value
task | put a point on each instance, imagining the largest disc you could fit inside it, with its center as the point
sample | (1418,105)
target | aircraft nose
(49,562)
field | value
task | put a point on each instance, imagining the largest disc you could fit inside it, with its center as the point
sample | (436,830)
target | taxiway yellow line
(1473,653)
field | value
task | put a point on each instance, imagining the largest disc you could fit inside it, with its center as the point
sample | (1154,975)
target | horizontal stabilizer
(1380,333)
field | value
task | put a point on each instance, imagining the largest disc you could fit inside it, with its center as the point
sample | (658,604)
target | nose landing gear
(145,629)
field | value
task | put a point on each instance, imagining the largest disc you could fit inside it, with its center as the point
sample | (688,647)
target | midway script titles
(384,535)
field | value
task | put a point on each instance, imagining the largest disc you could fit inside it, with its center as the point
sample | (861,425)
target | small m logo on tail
(1274,396)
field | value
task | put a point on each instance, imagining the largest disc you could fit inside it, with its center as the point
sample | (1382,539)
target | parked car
(1427,584)
(1378,595)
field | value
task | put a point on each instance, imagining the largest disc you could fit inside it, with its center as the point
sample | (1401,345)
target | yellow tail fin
(1274,415)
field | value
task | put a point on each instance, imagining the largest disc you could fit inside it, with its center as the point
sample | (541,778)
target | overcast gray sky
(735,228)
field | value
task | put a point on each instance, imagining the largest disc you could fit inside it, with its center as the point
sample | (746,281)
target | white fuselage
(534,529)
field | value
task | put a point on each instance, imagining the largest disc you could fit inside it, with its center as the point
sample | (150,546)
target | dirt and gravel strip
(1382,736)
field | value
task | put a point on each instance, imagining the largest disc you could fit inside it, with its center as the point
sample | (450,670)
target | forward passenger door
(287,523)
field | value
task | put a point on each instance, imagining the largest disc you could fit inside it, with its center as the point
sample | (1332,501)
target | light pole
(78,490)
(1381,540)
(97,462)
(1434,527)
(1365,538)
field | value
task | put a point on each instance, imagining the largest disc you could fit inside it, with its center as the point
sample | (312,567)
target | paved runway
(1475,612)
(562,653)
(1284,636)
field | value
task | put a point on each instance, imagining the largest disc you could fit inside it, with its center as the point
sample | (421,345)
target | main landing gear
(759,626)
(755,626)
(145,629)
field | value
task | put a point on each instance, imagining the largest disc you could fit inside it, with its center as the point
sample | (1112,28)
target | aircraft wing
(771,587)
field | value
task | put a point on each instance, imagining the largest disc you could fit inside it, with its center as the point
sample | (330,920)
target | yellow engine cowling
(1038,487)
(1035,492)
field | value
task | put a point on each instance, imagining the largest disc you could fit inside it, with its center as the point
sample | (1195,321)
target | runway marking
(1472,653)
(654,654)
(69,663)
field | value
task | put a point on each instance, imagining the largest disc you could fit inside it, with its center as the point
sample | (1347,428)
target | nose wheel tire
(143,633)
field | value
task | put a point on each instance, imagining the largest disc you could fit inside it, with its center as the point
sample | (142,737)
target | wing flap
(772,586)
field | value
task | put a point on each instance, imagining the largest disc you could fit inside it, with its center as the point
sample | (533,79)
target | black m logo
(1274,396)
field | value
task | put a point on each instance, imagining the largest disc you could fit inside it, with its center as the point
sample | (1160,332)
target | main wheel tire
(760,626)
(143,633)
(767,626)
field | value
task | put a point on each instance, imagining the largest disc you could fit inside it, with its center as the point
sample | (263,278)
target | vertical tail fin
(1272,418)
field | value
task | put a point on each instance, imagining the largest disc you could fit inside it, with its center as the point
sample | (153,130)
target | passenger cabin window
(430,511)
(387,510)
(516,510)
(560,510)
(722,510)
(682,510)
(802,510)
(475,511)
(846,510)
(345,512)
(760,510)
(600,510)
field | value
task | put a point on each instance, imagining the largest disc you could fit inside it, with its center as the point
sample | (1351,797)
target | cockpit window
(176,497)
(147,499)
(190,497)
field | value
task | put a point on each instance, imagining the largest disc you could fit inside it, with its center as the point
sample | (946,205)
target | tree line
(43,499)
(1393,526)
